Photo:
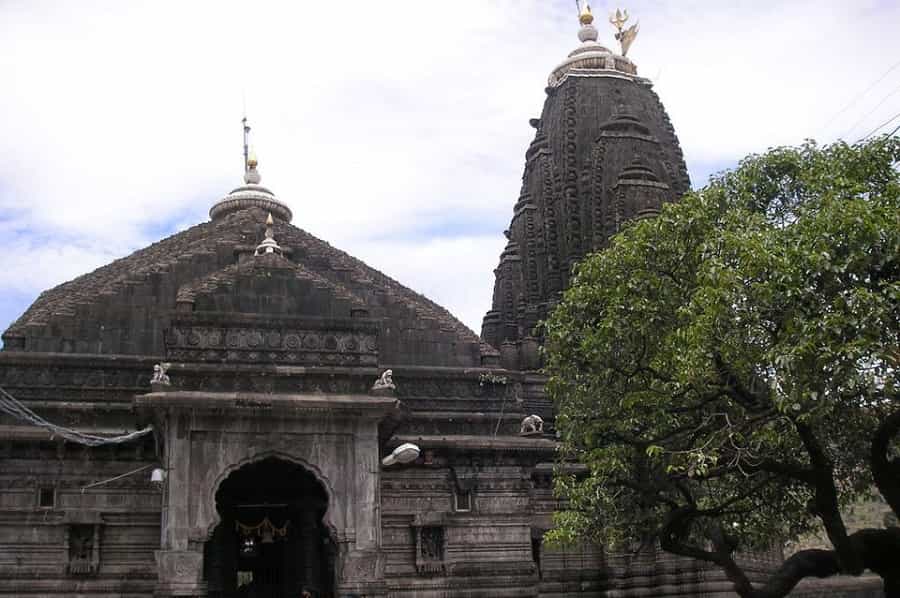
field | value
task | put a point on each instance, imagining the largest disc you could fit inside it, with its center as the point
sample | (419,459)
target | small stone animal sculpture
(533,424)
(159,374)
(386,382)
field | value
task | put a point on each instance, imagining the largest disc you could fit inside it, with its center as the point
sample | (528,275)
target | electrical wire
(118,477)
(860,95)
(881,126)
(11,406)
(870,112)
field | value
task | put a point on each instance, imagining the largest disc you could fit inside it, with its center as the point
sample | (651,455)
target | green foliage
(685,356)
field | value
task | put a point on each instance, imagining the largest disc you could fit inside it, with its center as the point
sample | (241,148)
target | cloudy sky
(395,130)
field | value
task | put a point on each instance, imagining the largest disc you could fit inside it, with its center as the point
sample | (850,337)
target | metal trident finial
(625,37)
(618,18)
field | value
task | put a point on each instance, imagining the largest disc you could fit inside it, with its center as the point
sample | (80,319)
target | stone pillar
(180,561)
(362,566)
(176,528)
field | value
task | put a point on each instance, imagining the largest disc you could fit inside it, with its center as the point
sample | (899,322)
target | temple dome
(251,195)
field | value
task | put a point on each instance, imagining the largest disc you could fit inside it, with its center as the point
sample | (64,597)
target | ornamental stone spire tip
(269,245)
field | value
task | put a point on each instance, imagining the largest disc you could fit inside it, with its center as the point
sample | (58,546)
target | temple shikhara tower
(604,152)
(241,409)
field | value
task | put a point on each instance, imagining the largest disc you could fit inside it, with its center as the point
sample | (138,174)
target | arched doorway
(271,541)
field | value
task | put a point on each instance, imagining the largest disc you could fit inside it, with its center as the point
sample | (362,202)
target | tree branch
(826,500)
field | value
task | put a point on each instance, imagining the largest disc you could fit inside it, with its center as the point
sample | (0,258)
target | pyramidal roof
(248,261)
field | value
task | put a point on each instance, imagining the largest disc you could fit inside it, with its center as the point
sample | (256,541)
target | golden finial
(251,160)
(585,17)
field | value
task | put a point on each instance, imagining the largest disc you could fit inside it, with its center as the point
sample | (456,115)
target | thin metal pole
(246,135)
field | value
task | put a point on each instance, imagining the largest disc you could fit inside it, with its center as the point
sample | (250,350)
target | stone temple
(284,381)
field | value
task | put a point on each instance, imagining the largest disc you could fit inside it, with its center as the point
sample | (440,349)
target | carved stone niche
(430,536)
(83,543)
(430,549)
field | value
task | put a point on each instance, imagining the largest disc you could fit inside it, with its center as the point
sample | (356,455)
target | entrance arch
(271,540)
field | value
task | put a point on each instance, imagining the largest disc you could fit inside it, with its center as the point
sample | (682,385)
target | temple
(604,152)
(241,409)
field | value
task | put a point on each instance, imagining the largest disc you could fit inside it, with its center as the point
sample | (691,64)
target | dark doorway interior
(271,542)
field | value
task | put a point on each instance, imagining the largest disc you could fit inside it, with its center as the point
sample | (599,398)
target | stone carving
(179,566)
(159,374)
(258,345)
(432,543)
(385,382)
(571,202)
(84,550)
(430,550)
(533,424)
(594,125)
(359,567)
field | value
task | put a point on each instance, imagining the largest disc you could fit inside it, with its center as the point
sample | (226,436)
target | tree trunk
(877,549)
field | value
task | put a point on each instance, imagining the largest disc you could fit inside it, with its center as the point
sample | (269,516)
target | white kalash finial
(269,245)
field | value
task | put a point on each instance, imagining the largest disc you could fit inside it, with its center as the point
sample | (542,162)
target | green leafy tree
(728,371)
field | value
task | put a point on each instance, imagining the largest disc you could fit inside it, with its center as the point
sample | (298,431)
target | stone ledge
(468,442)
(282,404)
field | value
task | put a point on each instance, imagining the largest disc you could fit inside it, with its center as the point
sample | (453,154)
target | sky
(395,130)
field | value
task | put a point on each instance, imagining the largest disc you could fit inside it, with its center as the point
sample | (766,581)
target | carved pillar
(180,560)
(362,568)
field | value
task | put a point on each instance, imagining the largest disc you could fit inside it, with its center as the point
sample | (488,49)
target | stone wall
(58,538)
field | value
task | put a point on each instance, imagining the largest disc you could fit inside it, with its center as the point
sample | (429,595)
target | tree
(728,371)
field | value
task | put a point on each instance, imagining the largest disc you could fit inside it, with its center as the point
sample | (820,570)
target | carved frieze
(261,345)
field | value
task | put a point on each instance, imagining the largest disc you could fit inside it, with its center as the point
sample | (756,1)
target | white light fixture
(405,453)
(158,475)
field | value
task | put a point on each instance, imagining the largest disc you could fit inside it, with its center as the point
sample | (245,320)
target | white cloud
(374,120)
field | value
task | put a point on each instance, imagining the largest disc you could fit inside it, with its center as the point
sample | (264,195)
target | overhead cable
(872,111)
(12,406)
(860,95)
(881,126)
